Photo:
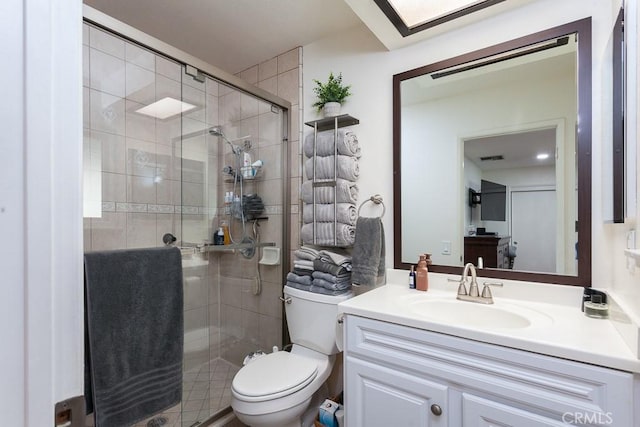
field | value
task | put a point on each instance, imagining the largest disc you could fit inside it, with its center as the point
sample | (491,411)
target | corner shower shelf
(234,246)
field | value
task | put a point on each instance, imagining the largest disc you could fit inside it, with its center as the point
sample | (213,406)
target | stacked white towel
(347,143)
(348,168)
(335,211)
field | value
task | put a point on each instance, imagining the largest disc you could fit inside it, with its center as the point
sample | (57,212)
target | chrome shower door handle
(286,300)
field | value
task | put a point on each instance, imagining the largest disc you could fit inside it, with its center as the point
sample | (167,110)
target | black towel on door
(134,332)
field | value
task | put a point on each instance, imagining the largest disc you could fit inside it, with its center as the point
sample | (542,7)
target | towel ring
(377,199)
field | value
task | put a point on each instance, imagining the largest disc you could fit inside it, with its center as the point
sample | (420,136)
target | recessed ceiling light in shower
(165,108)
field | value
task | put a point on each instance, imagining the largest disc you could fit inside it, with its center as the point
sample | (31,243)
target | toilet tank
(312,319)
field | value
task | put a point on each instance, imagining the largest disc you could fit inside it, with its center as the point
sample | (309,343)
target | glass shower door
(232,169)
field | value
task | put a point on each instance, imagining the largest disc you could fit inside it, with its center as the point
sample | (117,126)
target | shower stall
(173,151)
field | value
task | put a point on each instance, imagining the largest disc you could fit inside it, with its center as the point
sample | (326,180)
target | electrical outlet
(446,247)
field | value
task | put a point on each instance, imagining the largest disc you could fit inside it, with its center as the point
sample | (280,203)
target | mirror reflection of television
(494,201)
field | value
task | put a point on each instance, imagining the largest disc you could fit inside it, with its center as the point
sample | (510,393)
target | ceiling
(237,34)
(233,34)
(518,149)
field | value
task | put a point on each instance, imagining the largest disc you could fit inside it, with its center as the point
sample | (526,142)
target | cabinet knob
(436,410)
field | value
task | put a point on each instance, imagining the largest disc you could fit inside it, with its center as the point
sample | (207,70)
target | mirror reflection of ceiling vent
(492,158)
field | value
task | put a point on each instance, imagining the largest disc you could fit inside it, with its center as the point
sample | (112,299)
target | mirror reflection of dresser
(494,251)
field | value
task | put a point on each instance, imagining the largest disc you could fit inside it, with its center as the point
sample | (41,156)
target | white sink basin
(462,313)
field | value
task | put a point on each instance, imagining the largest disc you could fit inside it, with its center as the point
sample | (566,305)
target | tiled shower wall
(255,322)
(282,76)
(153,181)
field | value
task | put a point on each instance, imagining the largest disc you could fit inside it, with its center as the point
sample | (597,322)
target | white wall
(40,210)
(370,69)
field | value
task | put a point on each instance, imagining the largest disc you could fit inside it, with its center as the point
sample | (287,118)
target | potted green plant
(331,95)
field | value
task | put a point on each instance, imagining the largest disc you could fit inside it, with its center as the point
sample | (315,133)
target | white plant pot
(331,109)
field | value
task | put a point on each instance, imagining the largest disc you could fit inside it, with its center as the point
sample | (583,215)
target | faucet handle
(462,289)
(486,289)
(473,288)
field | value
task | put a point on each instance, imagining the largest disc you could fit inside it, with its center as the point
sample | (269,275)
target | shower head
(217,131)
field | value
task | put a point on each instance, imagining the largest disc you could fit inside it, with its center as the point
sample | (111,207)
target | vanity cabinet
(396,375)
(494,250)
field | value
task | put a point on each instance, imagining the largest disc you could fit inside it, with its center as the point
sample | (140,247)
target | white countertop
(567,333)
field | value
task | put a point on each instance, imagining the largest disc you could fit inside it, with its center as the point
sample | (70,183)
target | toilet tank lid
(312,296)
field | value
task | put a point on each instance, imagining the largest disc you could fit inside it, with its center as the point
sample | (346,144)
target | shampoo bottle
(422,277)
(226,238)
(412,279)
(218,237)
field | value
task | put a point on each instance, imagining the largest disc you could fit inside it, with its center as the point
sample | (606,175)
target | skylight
(411,16)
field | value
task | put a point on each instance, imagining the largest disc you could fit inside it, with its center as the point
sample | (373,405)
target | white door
(41,308)
(533,230)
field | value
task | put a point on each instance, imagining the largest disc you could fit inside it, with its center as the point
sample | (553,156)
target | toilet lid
(274,375)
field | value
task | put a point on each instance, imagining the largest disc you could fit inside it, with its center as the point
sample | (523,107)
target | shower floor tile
(206,390)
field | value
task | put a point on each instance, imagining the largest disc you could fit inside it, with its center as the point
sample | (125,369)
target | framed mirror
(492,159)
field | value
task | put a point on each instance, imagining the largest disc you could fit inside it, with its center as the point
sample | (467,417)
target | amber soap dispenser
(422,274)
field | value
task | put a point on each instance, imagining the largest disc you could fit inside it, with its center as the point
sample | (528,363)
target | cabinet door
(377,396)
(479,412)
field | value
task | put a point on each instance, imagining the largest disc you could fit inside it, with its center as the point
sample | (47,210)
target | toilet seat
(273,376)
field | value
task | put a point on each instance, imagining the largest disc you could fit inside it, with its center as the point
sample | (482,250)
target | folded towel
(347,192)
(303,280)
(331,278)
(332,286)
(135,333)
(303,264)
(317,289)
(348,168)
(347,213)
(368,252)
(347,143)
(345,234)
(301,272)
(336,256)
(306,253)
(331,268)
(299,286)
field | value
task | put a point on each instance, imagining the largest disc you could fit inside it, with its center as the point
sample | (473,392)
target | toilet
(276,389)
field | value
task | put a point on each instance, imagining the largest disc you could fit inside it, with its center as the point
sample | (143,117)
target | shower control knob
(436,410)
(168,239)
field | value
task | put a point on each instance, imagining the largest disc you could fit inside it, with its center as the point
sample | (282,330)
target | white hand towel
(347,143)
(347,192)
(346,213)
(348,168)
(345,234)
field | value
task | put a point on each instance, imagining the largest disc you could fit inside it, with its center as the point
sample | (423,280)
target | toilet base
(289,417)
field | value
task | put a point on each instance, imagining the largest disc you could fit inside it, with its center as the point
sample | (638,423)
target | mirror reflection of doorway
(533,229)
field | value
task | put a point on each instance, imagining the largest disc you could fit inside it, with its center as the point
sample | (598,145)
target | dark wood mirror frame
(618,120)
(582,29)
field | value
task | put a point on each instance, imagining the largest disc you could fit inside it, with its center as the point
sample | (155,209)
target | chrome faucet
(474,295)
